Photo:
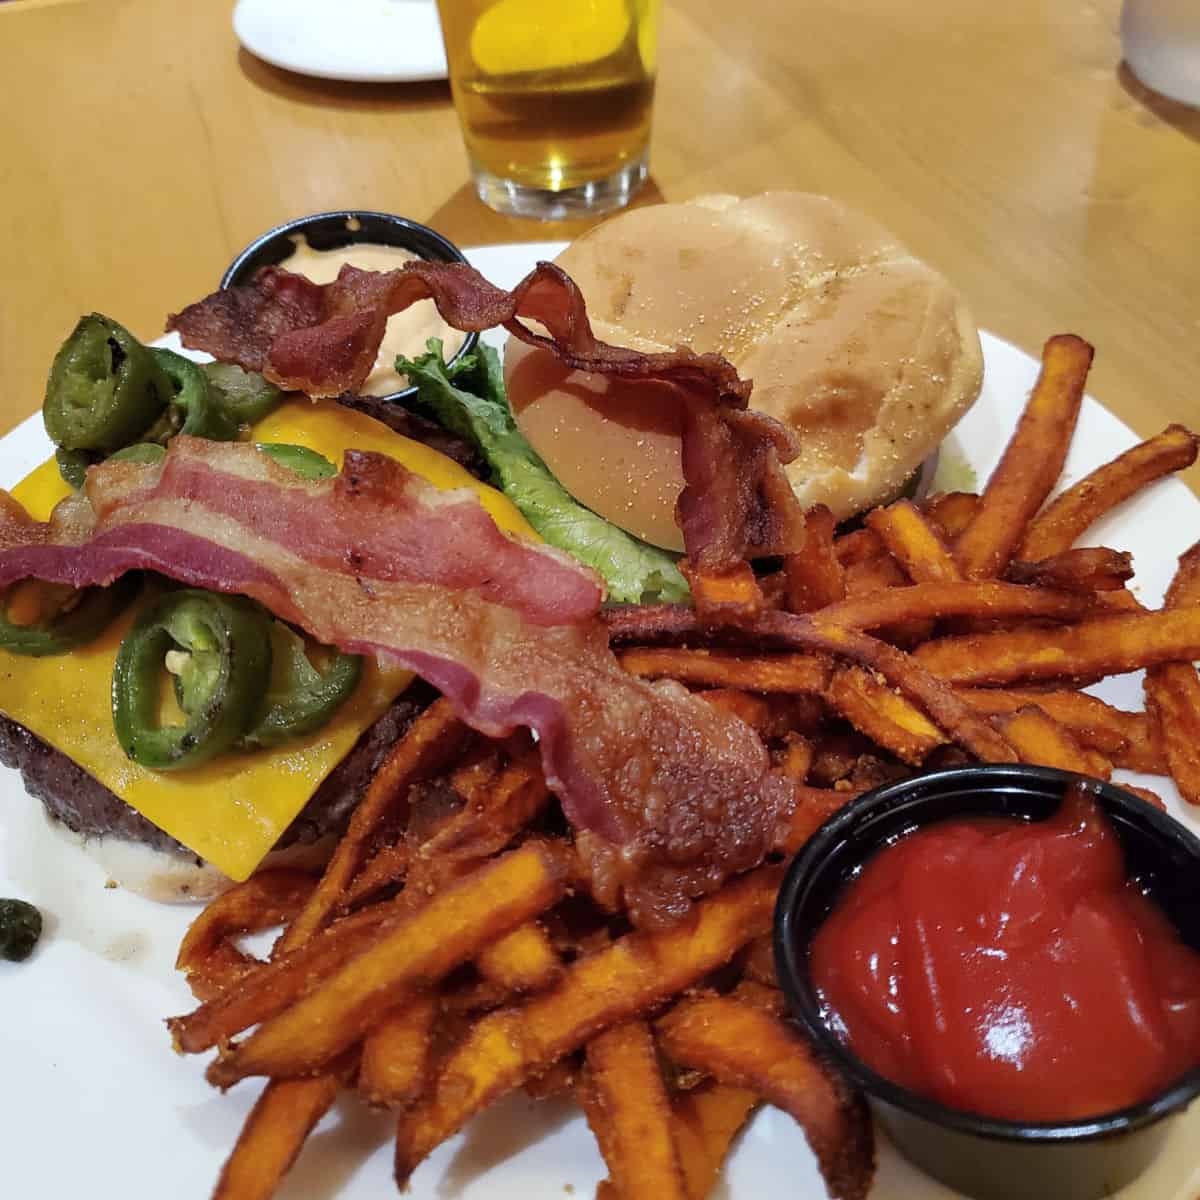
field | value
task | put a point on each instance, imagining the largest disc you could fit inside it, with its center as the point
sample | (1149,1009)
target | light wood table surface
(140,148)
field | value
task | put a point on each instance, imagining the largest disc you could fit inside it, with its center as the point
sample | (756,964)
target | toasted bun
(862,349)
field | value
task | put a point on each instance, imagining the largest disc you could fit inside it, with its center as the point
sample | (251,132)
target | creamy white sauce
(407,331)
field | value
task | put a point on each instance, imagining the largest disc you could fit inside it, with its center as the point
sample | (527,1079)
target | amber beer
(554,97)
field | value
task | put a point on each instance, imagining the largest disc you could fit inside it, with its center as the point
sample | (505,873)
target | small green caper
(20,928)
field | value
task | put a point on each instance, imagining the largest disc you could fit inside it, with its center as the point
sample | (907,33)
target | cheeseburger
(861,349)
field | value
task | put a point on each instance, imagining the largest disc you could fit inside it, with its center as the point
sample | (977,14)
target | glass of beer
(554,98)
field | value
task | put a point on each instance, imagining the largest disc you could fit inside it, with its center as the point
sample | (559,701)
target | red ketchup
(1011,970)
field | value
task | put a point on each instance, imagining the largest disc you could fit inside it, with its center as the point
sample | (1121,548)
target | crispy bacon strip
(240,324)
(507,632)
(736,502)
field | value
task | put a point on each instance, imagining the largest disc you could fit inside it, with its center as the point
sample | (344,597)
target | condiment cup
(332,231)
(978,1155)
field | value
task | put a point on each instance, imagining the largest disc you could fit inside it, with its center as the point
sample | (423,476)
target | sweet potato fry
(707,1119)
(811,633)
(986,599)
(720,668)
(951,512)
(740,1045)
(287,1111)
(954,717)
(433,738)
(724,599)
(914,542)
(1184,591)
(1146,794)
(472,776)
(800,713)
(814,806)
(754,710)
(416,951)
(521,961)
(874,575)
(1173,700)
(270,987)
(1173,690)
(208,957)
(1041,740)
(631,977)
(835,756)
(886,717)
(558,1080)
(1063,521)
(494,814)
(1090,650)
(758,962)
(763,996)
(277,1127)
(396,1053)
(626,1104)
(1127,739)
(387,867)
(1094,569)
(1032,462)
(814,575)
(867,580)
(796,758)
(861,545)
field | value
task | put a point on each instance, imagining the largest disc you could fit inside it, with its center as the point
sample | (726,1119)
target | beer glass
(554,98)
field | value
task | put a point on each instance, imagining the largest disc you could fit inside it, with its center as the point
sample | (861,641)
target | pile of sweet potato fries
(452,953)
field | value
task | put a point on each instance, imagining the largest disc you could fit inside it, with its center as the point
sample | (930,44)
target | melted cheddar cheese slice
(231,811)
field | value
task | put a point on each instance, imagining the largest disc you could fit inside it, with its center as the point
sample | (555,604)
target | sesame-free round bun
(862,349)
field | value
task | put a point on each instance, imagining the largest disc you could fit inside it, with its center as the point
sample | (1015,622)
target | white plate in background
(362,41)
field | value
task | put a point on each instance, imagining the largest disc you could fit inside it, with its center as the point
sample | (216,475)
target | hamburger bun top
(863,350)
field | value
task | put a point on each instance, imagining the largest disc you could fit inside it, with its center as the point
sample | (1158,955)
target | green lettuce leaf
(468,398)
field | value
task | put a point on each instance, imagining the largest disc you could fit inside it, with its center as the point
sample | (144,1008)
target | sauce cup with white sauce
(316,246)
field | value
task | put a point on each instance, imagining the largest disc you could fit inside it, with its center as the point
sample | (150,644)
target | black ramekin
(981,1156)
(332,231)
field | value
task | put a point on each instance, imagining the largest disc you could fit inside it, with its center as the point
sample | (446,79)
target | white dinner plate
(363,41)
(95,1103)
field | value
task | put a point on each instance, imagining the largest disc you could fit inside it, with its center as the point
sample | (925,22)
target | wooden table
(141,148)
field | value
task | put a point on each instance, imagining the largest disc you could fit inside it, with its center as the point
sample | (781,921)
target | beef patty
(84,805)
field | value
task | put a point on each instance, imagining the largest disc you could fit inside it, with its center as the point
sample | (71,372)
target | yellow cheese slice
(231,811)
(331,429)
(41,490)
